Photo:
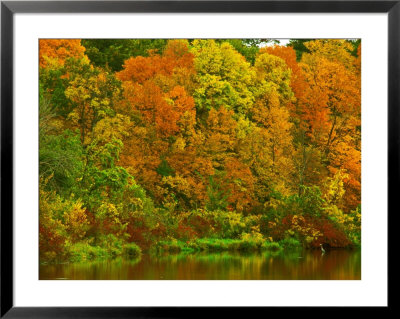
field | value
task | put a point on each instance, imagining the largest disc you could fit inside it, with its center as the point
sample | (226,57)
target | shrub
(131,250)
(290,243)
(84,252)
(172,246)
(271,246)
(230,224)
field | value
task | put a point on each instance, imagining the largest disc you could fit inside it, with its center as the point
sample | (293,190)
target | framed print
(164,155)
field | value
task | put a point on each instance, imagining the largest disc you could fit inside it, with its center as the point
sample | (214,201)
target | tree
(331,104)
(93,92)
(156,98)
(224,78)
(60,153)
(297,81)
(111,53)
(271,114)
(299,46)
(56,51)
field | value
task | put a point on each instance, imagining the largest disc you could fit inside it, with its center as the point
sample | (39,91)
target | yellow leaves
(186,189)
(208,59)
(271,67)
(333,93)
(272,71)
(110,128)
(93,93)
(178,183)
(235,220)
(301,227)
(332,49)
(254,235)
(179,144)
(244,128)
(109,211)
(290,232)
(334,188)
(309,239)
(330,109)
(197,124)
(73,117)
(288,54)
(76,222)
(221,121)
(224,77)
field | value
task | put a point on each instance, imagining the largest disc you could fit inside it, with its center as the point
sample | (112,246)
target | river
(294,265)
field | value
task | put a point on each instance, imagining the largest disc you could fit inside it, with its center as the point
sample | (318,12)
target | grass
(81,252)
(84,252)
(271,246)
(218,245)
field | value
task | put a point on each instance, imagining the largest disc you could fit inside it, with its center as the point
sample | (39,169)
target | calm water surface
(335,264)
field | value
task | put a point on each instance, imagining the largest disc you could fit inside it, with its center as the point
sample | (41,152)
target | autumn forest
(188,145)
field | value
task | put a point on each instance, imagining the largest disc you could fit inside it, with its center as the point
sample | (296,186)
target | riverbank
(216,244)
(87,253)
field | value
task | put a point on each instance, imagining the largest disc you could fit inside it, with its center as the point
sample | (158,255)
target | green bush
(172,246)
(131,250)
(290,243)
(271,246)
(249,244)
(215,244)
(85,252)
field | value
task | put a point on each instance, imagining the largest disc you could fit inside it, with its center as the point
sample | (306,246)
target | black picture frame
(9,8)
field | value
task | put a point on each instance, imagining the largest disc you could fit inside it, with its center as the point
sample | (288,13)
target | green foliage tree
(217,197)
(111,53)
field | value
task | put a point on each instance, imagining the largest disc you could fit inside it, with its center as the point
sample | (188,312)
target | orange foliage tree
(58,50)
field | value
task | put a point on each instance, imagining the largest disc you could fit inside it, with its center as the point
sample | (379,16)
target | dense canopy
(151,142)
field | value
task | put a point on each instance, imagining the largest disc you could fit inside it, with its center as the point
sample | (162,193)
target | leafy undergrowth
(215,245)
(84,252)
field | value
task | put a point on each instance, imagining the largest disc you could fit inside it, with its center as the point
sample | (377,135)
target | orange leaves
(179,98)
(220,136)
(156,97)
(289,56)
(58,50)
(200,110)
(164,111)
(285,53)
(240,184)
(170,118)
(331,101)
(177,52)
(346,156)
(219,146)
(140,69)
(331,107)
(326,84)
(151,88)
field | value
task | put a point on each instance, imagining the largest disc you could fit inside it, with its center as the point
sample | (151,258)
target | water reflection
(300,265)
